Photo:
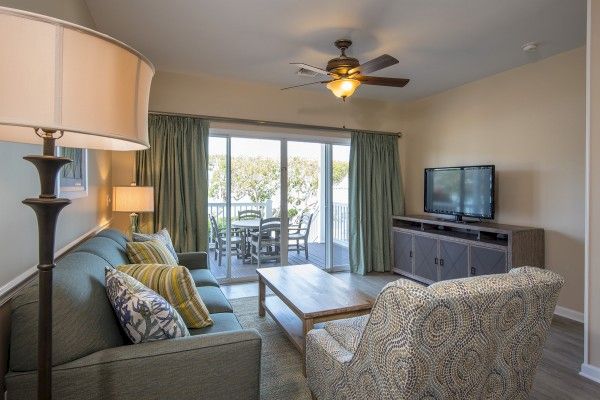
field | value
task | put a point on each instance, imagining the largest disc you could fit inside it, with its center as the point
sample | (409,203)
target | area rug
(281,374)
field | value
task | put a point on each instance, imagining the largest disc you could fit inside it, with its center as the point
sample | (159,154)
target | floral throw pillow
(144,315)
(162,236)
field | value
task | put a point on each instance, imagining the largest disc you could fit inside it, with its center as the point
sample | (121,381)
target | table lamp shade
(133,198)
(59,76)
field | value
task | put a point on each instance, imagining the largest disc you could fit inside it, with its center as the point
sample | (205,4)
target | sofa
(92,357)
(473,338)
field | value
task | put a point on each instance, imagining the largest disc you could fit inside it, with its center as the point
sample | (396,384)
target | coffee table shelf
(286,319)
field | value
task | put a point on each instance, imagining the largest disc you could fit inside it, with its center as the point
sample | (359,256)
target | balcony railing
(340,218)
(340,223)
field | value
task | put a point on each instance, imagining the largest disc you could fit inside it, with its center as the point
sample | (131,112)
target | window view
(305,203)
(254,233)
(339,209)
(253,237)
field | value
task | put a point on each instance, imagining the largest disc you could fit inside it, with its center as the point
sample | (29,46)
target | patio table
(247,225)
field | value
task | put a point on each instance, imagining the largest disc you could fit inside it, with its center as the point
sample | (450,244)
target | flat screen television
(460,191)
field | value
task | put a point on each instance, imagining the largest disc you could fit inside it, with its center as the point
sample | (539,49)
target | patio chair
(300,233)
(249,214)
(244,215)
(265,243)
(219,239)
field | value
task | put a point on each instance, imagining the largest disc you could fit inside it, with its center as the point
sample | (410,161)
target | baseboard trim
(15,285)
(590,372)
(569,313)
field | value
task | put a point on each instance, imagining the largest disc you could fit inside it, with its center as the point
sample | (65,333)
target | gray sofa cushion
(222,322)
(203,277)
(83,319)
(104,248)
(115,235)
(214,300)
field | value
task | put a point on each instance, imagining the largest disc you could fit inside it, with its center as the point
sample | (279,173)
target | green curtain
(176,164)
(375,195)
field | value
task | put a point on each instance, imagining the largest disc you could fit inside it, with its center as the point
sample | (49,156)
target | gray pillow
(162,236)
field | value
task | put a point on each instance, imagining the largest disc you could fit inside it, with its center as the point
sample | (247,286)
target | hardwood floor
(558,374)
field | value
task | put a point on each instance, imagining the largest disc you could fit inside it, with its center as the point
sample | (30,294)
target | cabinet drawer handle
(410,254)
(436,259)
(441,262)
(473,271)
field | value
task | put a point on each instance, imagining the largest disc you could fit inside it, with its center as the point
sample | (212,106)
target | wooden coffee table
(304,296)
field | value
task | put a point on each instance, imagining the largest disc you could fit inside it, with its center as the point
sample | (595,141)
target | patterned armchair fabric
(474,338)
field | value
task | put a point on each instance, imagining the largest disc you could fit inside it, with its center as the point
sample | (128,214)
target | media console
(430,250)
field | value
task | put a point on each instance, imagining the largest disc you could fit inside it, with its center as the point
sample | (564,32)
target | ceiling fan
(347,73)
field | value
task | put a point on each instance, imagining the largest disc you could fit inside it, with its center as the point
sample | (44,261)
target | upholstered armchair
(474,338)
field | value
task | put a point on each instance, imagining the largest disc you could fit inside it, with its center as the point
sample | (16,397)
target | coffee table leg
(261,297)
(307,325)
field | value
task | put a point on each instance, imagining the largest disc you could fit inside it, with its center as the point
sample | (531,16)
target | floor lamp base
(47,207)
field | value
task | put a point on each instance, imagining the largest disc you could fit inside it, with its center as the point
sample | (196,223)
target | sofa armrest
(193,260)
(212,366)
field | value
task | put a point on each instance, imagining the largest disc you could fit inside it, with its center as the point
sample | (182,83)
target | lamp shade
(343,87)
(58,76)
(133,198)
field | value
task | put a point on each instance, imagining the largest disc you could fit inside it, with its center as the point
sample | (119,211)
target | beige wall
(530,123)
(208,95)
(18,178)
(591,361)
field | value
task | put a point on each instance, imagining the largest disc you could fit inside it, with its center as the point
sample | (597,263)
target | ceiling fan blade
(311,68)
(304,84)
(375,64)
(380,81)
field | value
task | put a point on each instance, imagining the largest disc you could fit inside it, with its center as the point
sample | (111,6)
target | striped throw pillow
(176,285)
(161,236)
(150,252)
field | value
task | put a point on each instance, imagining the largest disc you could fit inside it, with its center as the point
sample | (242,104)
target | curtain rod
(275,123)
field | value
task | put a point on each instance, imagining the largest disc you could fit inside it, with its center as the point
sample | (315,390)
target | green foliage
(257,178)
(340,171)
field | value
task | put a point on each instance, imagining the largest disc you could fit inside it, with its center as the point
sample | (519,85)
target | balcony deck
(243,269)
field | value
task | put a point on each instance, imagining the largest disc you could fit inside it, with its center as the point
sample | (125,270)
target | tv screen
(460,191)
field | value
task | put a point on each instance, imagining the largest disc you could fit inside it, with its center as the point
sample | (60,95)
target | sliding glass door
(244,206)
(340,222)
(276,202)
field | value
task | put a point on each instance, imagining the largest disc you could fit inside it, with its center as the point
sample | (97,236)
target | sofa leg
(312,396)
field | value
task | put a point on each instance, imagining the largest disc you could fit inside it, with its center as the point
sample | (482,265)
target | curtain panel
(176,164)
(375,191)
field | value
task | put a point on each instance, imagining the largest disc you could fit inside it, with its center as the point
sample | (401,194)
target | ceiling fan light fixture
(343,87)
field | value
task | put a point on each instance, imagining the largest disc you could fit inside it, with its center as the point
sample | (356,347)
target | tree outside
(256,179)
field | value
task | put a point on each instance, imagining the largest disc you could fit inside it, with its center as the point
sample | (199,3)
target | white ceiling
(440,43)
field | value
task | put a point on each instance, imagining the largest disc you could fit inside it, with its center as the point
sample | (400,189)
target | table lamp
(133,199)
(60,81)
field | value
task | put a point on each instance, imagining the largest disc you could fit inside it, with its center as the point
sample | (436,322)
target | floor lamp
(60,81)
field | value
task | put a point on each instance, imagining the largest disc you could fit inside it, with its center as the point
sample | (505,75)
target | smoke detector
(530,47)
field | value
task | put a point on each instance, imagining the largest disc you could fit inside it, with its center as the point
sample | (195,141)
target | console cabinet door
(426,258)
(454,260)
(403,251)
(486,261)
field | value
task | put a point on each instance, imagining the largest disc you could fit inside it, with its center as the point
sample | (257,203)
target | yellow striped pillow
(150,252)
(176,285)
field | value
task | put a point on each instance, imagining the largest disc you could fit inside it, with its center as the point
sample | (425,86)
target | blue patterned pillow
(144,315)
(161,236)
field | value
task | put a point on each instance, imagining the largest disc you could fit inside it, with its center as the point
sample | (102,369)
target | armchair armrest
(193,260)
(326,363)
(212,366)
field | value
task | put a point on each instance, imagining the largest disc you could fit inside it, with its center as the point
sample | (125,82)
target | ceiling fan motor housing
(342,64)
